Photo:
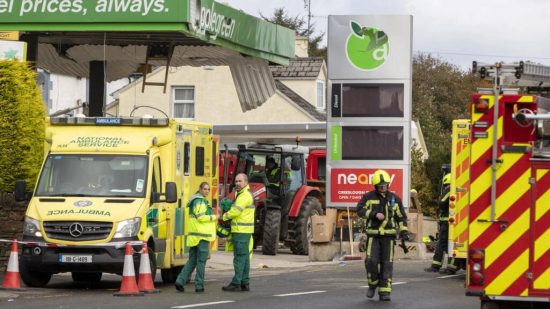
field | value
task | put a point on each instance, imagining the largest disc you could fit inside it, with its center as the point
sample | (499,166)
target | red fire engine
(509,208)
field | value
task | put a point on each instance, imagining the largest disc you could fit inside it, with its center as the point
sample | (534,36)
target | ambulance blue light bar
(110,121)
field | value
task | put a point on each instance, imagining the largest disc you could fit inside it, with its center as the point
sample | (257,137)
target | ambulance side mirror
(171,192)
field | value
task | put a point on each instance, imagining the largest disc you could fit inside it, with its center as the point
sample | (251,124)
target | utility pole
(307,6)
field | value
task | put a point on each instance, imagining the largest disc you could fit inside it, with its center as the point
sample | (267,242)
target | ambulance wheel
(169,275)
(272,226)
(302,226)
(35,279)
(94,277)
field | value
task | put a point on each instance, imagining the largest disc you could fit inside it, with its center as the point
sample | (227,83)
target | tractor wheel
(302,226)
(272,227)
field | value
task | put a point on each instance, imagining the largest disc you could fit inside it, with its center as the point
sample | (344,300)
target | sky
(458,32)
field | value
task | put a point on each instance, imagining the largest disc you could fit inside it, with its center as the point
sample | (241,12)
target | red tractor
(284,202)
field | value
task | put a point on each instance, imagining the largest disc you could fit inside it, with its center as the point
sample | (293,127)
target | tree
(298,24)
(22,116)
(441,94)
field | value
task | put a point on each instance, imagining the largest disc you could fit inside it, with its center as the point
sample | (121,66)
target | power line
(479,55)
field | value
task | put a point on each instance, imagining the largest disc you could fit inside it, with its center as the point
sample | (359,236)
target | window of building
(183,102)
(320,94)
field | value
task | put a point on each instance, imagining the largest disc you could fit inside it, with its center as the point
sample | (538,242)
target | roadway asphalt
(282,281)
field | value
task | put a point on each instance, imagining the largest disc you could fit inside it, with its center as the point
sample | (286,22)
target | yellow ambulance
(108,181)
(459,193)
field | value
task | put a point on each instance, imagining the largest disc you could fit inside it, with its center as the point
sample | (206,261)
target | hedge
(22,117)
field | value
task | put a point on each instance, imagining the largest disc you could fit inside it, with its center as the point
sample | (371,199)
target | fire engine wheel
(34,279)
(302,226)
(272,226)
(86,277)
(489,305)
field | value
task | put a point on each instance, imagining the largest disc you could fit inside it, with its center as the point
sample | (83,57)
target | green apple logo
(366,48)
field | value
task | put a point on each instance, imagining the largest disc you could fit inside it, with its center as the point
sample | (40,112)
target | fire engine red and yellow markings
(542,207)
(505,177)
(512,252)
(478,116)
(526,99)
(517,195)
(503,249)
(481,145)
(542,241)
(541,231)
(509,275)
(510,236)
(542,282)
(519,287)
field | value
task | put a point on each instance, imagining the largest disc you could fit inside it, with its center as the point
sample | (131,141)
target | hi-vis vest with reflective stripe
(444,205)
(242,212)
(391,207)
(202,221)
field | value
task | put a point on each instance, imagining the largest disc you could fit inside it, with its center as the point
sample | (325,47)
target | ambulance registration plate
(66,258)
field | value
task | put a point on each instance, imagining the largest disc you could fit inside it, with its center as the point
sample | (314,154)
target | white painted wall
(216,99)
(67,91)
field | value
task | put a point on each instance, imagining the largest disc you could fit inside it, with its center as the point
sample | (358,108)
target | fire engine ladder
(157,52)
(520,74)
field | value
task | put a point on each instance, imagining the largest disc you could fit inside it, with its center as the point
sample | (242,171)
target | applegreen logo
(366,48)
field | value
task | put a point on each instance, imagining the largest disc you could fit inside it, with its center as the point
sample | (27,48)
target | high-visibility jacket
(391,206)
(444,204)
(202,221)
(274,176)
(241,213)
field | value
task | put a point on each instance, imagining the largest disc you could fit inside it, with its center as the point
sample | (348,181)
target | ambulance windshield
(93,175)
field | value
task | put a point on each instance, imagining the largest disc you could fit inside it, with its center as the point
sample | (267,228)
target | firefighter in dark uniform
(385,215)
(443,239)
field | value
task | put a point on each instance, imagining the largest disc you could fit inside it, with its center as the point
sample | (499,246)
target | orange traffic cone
(145,280)
(12,280)
(129,285)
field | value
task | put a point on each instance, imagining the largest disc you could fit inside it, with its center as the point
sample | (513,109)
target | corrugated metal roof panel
(252,76)
(253,81)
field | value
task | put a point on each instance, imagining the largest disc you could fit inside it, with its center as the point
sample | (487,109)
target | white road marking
(449,276)
(301,293)
(206,304)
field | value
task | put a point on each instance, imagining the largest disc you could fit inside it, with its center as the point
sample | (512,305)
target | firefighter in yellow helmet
(442,240)
(385,217)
